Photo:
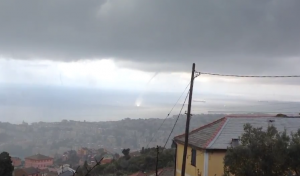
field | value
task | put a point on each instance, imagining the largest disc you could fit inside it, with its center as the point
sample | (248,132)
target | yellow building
(82,151)
(208,144)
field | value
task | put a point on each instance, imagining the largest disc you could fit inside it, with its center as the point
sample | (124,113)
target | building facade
(38,161)
(208,144)
(82,151)
(17,162)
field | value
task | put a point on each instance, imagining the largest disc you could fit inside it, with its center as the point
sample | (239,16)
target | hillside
(50,138)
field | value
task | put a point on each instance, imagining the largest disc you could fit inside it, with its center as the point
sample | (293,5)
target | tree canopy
(126,153)
(264,153)
(6,167)
(144,162)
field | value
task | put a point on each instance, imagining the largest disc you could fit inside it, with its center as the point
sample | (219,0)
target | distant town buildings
(82,151)
(17,162)
(41,165)
(65,170)
(30,171)
(38,161)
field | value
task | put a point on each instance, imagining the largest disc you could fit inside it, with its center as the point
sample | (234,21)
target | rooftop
(167,172)
(38,157)
(30,170)
(218,134)
(66,173)
(138,174)
(106,161)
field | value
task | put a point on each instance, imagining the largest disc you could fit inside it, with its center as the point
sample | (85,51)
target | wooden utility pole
(156,168)
(187,126)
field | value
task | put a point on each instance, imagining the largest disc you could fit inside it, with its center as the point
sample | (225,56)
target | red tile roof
(38,157)
(106,161)
(138,174)
(167,172)
(31,170)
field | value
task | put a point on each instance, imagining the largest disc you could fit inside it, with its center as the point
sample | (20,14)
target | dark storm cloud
(153,35)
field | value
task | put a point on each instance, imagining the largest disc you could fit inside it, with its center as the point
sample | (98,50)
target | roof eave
(191,145)
(199,148)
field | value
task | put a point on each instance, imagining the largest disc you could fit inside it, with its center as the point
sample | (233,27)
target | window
(193,158)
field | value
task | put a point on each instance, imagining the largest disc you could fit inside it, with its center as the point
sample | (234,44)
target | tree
(294,153)
(116,156)
(98,170)
(261,153)
(143,150)
(85,164)
(150,162)
(6,167)
(111,168)
(85,168)
(73,159)
(143,162)
(126,153)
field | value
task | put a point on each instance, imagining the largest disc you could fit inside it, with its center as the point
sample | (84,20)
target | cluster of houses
(89,156)
(41,165)
(36,165)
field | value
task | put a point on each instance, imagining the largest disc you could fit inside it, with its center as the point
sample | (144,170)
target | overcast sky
(136,48)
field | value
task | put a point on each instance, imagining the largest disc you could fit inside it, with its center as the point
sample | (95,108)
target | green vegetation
(127,165)
(264,153)
(6,167)
(126,153)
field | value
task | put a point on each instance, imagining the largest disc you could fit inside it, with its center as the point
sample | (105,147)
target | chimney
(235,142)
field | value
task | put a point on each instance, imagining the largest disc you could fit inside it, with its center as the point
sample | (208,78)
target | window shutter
(193,158)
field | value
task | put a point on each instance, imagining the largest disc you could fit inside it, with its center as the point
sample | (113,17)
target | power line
(157,148)
(176,119)
(168,115)
(248,76)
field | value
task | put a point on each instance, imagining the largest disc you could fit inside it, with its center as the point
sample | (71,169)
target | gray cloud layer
(250,37)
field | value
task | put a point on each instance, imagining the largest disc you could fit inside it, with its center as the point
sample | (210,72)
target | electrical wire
(176,120)
(248,76)
(167,115)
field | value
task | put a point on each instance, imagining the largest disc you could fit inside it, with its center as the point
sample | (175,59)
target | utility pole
(187,126)
(156,168)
